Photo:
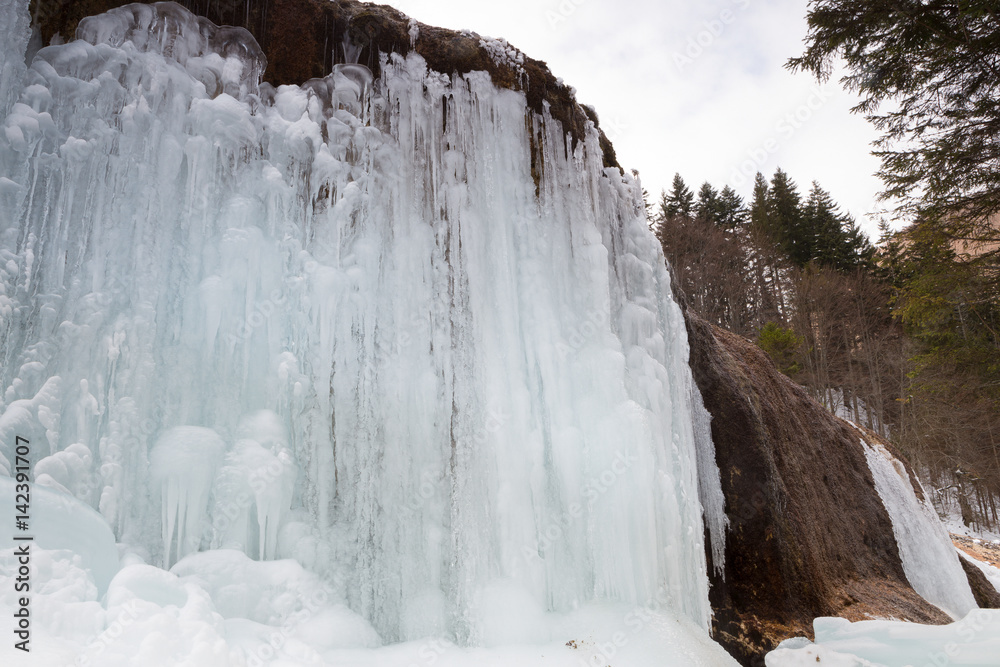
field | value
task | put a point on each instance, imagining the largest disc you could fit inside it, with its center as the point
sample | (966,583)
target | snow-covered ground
(951,516)
(221,609)
(972,640)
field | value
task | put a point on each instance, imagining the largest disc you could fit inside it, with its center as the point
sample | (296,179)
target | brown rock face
(304,39)
(986,596)
(809,535)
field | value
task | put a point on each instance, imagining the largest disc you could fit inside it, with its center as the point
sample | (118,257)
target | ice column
(14,35)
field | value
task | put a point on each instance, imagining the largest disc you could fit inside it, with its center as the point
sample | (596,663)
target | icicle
(713,501)
(183,463)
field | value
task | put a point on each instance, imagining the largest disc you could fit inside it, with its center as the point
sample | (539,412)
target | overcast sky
(692,87)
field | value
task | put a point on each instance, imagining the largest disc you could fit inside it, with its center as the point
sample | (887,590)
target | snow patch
(973,640)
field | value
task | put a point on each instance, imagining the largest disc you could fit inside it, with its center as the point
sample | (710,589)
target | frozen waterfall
(341,323)
(929,558)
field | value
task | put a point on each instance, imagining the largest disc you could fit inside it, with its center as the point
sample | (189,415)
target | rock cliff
(809,535)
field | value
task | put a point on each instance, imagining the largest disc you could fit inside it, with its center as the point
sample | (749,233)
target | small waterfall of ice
(930,561)
(336,321)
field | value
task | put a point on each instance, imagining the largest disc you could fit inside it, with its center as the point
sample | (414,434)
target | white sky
(692,87)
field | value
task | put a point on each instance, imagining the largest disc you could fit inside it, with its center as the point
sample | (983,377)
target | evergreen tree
(731,211)
(782,345)
(824,225)
(680,201)
(708,207)
(662,219)
(936,64)
(951,304)
(836,239)
(859,248)
(785,219)
(758,207)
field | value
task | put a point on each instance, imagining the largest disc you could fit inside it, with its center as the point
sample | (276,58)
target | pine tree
(935,64)
(759,218)
(822,224)
(836,239)
(661,219)
(708,207)
(680,201)
(786,221)
(860,249)
(731,210)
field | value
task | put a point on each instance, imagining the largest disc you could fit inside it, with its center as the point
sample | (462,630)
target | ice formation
(14,35)
(929,559)
(972,640)
(710,483)
(255,487)
(342,323)
(182,466)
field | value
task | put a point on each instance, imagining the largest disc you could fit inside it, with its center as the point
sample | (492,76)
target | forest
(899,336)
(903,335)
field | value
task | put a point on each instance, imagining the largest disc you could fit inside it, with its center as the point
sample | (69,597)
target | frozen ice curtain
(344,323)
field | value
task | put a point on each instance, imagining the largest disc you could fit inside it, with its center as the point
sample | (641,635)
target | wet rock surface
(809,535)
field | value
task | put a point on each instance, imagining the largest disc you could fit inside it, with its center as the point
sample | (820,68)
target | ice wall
(929,559)
(471,391)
